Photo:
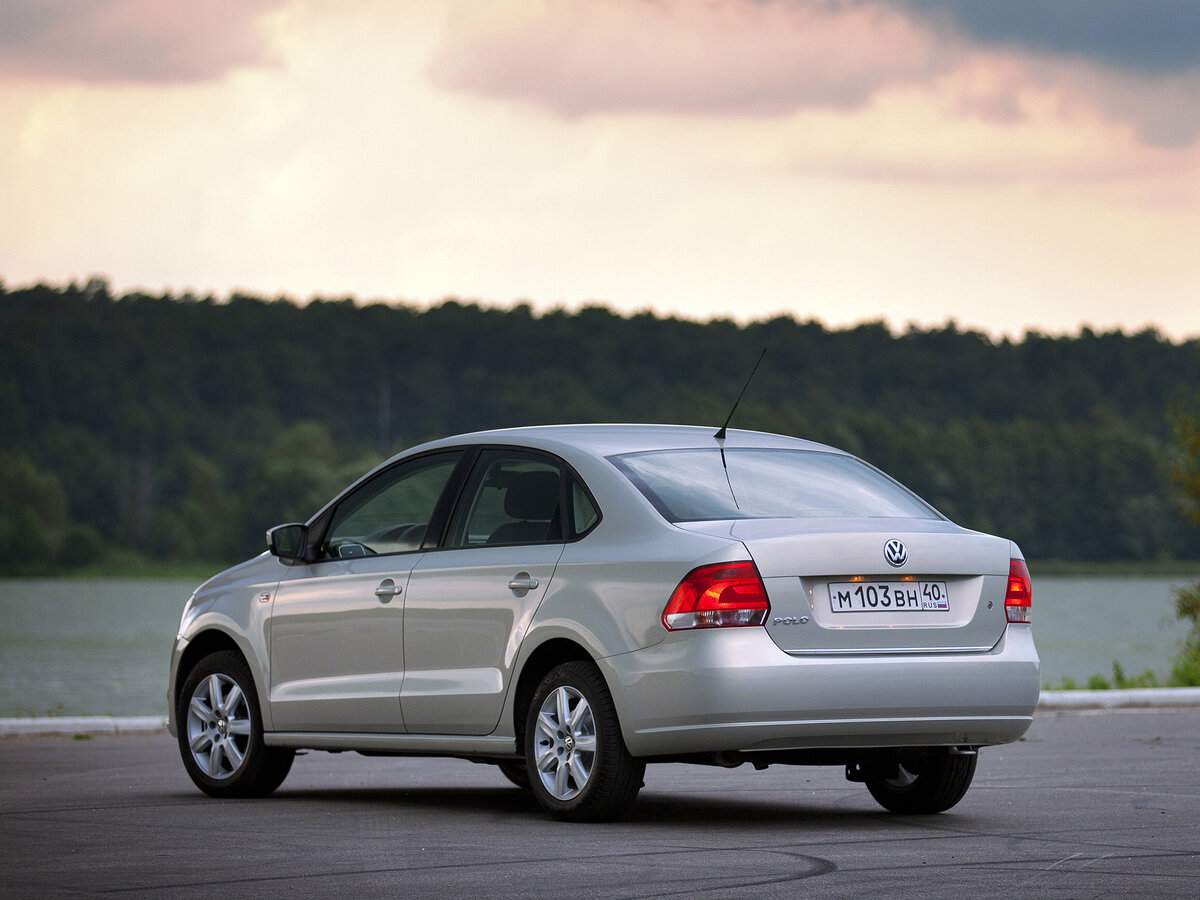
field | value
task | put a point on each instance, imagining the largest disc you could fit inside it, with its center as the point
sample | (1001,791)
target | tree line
(180,427)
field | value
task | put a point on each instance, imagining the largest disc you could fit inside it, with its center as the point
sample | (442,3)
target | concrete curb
(83,725)
(1132,698)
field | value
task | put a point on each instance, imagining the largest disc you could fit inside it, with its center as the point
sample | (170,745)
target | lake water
(103,647)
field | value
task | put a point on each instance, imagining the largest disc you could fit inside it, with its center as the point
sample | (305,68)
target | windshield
(695,485)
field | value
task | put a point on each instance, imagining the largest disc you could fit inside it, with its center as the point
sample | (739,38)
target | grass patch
(1181,676)
(130,565)
(1119,681)
(197,572)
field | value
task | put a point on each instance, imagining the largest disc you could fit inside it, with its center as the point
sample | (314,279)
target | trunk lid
(877,585)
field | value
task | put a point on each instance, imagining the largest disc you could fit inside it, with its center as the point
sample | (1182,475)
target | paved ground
(1088,805)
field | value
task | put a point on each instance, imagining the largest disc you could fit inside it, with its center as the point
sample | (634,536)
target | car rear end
(836,630)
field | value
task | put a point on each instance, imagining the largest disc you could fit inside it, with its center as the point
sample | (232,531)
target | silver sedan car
(570,603)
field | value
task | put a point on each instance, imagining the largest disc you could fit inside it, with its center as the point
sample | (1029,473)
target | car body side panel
(231,603)
(726,690)
(609,592)
(615,589)
(463,626)
(337,659)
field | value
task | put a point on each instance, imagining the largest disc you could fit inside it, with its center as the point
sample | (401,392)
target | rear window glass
(697,485)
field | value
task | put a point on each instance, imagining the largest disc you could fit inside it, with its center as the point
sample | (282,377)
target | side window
(510,498)
(390,513)
(583,512)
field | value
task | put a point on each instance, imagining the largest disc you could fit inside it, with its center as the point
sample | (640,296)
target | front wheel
(929,785)
(221,732)
(578,766)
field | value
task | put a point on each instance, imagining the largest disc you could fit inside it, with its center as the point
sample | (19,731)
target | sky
(1010,166)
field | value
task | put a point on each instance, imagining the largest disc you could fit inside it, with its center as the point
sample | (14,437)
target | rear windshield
(696,485)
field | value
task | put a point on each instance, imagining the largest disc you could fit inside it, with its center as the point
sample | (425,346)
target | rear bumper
(734,689)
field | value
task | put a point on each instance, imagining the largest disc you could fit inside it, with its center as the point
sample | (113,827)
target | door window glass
(391,513)
(509,499)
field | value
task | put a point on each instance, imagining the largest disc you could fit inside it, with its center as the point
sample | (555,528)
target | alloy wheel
(218,726)
(565,743)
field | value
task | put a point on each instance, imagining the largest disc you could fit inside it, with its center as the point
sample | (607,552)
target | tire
(579,769)
(221,732)
(921,787)
(516,773)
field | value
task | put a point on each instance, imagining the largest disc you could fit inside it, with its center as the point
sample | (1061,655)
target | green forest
(180,428)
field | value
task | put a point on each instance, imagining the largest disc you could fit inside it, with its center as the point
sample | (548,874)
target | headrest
(532,495)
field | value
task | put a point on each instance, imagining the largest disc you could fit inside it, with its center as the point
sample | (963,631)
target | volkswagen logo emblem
(895,553)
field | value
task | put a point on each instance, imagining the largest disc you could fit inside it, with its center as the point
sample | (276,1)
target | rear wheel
(578,766)
(221,732)
(929,785)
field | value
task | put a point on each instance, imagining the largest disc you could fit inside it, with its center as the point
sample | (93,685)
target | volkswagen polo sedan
(571,603)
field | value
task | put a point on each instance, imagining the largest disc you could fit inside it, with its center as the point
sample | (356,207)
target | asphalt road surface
(1087,805)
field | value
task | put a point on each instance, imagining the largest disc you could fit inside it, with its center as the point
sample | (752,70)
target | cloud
(1132,61)
(771,58)
(577,57)
(1149,37)
(1163,112)
(140,41)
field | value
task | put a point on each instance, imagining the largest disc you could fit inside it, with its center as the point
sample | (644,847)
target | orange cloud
(576,57)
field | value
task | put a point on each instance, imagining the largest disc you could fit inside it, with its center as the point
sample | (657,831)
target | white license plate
(889,596)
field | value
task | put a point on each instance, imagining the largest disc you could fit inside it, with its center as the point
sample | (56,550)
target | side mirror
(289,542)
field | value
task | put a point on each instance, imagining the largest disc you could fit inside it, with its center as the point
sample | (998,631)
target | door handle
(523,581)
(387,590)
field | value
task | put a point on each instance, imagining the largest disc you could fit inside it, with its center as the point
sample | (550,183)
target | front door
(337,625)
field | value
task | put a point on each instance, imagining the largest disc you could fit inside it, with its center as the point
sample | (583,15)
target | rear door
(469,605)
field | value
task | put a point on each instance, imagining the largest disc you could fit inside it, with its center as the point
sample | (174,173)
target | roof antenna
(720,435)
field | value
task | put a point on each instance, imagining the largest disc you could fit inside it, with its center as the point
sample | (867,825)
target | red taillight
(724,595)
(1018,599)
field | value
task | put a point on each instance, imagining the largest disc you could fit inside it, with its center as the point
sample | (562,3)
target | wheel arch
(212,640)
(541,661)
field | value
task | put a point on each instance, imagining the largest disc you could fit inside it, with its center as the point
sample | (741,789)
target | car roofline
(603,440)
